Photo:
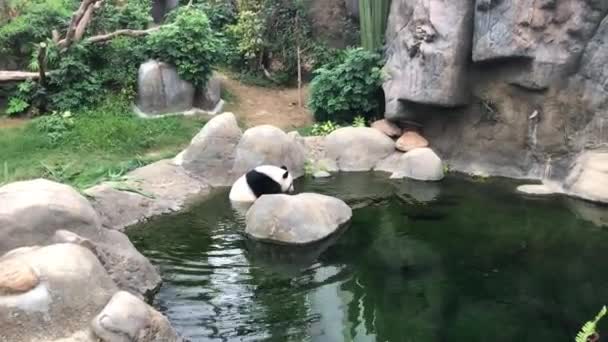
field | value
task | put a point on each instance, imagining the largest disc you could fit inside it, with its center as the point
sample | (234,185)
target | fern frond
(590,327)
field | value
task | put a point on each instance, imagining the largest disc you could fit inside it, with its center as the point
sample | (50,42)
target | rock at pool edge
(301,219)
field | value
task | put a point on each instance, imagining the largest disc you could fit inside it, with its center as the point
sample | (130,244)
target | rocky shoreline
(68,273)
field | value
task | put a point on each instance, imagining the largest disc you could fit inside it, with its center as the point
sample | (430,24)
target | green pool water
(459,260)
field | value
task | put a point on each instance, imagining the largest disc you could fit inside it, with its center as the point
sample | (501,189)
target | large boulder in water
(211,153)
(589,176)
(127,318)
(160,90)
(61,292)
(357,148)
(301,219)
(269,145)
(419,164)
(33,212)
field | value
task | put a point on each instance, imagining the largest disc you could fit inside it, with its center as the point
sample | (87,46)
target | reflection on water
(455,261)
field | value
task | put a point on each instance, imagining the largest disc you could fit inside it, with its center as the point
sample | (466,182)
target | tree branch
(126,32)
(76,17)
(8,76)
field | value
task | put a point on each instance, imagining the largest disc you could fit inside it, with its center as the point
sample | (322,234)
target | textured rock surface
(209,99)
(387,127)
(152,190)
(331,22)
(75,288)
(262,145)
(589,177)
(211,154)
(357,148)
(299,219)
(16,277)
(161,90)
(33,211)
(538,84)
(550,34)
(76,301)
(126,318)
(428,44)
(410,141)
(419,164)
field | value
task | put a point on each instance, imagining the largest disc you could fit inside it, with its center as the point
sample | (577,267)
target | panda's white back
(241,192)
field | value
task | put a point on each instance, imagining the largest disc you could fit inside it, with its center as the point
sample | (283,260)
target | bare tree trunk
(299,61)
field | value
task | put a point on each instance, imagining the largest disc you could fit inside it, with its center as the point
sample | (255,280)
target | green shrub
(337,93)
(114,15)
(247,35)
(359,121)
(119,61)
(75,84)
(189,43)
(324,128)
(55,126)
(34,25)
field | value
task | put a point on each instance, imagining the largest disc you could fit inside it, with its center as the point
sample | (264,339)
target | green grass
(101,144)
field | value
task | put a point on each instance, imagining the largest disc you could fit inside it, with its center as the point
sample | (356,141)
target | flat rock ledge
(297,220)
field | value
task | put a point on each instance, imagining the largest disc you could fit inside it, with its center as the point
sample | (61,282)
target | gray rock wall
(522,94)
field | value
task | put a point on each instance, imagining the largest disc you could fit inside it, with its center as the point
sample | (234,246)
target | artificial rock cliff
(515,88)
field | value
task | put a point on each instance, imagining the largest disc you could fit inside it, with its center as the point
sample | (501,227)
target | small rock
(410,141)
(388,128)
(16,277)
(537,189)
(301,219)
(321,174)
(126,318)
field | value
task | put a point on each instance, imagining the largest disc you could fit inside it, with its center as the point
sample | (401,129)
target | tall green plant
(339,92)
(189,43)
(373,19)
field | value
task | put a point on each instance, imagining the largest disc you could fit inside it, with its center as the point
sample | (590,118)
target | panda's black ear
(285,175)
(284,167)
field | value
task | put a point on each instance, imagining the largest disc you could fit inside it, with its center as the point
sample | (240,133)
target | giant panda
(263,180)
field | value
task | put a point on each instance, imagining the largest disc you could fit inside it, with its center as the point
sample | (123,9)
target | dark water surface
(454,261)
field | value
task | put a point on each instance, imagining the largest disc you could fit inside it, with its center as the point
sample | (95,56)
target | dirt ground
(8,123)
(257,105)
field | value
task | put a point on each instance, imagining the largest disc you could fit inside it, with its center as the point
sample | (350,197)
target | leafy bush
(114,15)
(337,93)
(55,126)
(20,101)
(359,121)
(590,328)
(119,61)
(19,36)
(324,128)
(189,43)
(16,105)
(247,34)
(75,84)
